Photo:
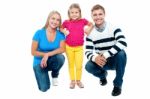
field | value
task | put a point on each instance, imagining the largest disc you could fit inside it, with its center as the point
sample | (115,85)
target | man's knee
(121,58)
(88,67)
(121,54)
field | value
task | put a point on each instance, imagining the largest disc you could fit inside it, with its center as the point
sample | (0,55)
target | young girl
(74,31)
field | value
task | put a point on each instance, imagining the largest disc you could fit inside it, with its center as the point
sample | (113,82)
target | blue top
(44,45)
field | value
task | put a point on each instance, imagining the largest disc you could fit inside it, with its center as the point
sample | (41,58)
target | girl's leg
(78,61)
(78,64)
(70,56)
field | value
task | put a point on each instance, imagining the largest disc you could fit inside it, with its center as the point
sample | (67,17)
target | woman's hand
(44,61)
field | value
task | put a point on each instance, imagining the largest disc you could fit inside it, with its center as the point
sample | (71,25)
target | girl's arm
(64,30)
(89,28)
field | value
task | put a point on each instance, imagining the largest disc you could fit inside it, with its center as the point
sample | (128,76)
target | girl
(73,28)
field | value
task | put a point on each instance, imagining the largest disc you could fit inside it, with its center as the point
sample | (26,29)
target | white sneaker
(55,81)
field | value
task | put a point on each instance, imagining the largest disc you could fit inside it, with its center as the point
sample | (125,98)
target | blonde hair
(74,5)
(50,14)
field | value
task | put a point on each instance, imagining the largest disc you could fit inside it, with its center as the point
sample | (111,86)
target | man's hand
(100,60)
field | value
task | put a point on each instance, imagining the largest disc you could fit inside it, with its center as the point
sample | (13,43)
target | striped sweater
(108,42)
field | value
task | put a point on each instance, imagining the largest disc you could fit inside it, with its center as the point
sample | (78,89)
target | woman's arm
(61,49)
(34,50)
(45,56)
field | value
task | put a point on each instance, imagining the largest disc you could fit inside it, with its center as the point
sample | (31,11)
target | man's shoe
(103,82)
(116,91)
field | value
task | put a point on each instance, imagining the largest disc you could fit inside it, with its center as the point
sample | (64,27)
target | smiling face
(54,20)
(98,16)
(74,13)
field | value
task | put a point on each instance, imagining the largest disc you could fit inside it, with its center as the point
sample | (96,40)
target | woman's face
(54,21)
(74,13)
(98,17)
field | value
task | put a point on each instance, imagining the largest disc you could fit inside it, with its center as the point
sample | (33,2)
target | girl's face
(98,17)
(74,13)
(54,21)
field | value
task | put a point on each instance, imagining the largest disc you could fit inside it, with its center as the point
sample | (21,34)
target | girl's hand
(64,30)
(88,28)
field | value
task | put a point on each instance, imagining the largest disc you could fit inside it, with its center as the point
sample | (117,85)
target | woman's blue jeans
(54,64)
(117,62)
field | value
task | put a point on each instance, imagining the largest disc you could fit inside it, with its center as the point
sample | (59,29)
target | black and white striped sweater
(108,42)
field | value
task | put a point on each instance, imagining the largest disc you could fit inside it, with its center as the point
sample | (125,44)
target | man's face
(98,17)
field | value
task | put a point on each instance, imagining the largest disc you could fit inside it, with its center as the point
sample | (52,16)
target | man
(105,50)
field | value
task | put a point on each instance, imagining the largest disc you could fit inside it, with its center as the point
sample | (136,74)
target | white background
(19,19)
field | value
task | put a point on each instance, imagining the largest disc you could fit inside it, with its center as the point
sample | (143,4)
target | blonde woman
(47,47)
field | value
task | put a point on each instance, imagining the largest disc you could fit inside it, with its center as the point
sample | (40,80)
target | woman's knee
(43,89)
(37,68)
(60,59)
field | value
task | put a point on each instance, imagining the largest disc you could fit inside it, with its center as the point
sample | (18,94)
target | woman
(47,47)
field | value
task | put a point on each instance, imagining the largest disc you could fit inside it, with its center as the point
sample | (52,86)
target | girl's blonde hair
(50,14)
(74,5)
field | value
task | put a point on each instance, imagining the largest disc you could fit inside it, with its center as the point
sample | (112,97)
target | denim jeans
(117,63)
(54,63)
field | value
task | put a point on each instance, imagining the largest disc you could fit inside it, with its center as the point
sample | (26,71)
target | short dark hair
(97,6)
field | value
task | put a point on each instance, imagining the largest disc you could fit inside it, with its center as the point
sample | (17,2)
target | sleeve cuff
(106,55)
(93,58)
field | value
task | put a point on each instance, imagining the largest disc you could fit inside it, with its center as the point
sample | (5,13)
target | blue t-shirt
(44,45)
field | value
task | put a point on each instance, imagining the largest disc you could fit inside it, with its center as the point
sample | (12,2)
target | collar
(101,28)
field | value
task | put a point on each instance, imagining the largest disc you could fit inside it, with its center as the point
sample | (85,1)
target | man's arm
(120,44)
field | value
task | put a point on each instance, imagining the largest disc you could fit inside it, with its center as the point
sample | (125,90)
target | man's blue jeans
(54,63)
(117,62)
